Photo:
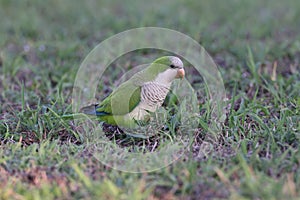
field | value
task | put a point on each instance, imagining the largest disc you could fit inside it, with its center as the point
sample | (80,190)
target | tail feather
(92,110)
(89,110)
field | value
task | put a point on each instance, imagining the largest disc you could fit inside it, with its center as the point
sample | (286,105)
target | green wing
(121,101)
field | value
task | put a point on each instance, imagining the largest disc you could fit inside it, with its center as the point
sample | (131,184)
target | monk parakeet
(134,100)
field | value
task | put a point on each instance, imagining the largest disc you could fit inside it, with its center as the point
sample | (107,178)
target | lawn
(256,46)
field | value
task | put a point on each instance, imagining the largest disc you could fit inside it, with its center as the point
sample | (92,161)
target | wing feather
(121,101)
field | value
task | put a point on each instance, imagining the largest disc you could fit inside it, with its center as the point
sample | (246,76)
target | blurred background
(57,35)
(256,45)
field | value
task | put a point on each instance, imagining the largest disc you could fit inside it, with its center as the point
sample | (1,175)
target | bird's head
(167,68)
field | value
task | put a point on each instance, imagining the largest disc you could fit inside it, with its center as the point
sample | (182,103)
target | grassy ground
(257,47)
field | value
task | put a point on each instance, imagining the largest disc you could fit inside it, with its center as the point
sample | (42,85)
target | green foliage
(257,47)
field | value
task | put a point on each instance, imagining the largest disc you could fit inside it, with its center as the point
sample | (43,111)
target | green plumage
(122,106)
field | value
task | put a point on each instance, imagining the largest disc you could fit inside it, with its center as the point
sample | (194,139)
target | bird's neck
(163,83)
(163,79)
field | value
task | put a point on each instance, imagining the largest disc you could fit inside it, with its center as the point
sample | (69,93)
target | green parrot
(134,100)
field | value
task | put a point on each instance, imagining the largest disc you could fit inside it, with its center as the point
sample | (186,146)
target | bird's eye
(172,66)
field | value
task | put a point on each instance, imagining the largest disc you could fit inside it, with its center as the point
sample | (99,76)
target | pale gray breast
(154,94)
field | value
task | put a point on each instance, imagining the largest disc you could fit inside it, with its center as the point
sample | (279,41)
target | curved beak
(180,73)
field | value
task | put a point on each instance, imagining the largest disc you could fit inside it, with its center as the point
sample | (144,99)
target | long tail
(73,116)
(69,116)
(89,110)
(85,112)
(92,110)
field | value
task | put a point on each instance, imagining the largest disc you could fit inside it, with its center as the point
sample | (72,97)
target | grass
(256,46)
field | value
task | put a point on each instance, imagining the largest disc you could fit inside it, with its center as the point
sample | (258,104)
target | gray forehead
(176,61)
